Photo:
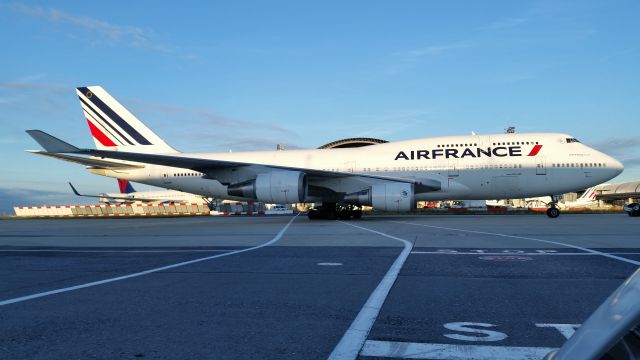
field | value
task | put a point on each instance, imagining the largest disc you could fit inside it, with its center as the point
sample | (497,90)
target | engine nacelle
(389,196)
(279,187)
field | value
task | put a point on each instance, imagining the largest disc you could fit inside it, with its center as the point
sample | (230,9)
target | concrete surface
(471,285)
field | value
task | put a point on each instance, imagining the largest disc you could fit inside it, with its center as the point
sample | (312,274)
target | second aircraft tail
(125,186)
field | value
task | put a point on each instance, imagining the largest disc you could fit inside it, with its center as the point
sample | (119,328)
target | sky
(247,75)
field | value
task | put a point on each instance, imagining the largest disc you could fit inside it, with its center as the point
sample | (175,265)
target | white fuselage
(467,167)
(155,195)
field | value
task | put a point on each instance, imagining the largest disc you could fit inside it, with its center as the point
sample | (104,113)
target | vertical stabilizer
(125,186)
(113,127)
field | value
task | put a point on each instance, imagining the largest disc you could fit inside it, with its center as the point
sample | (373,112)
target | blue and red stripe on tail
(125,186)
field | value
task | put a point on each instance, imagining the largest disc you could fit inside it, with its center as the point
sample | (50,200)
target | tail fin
(125,186)
(589,194)
(114,128)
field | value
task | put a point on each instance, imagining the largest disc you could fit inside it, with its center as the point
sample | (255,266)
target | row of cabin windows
(516,143)
(485,166)
(430,168)
(184,174)
(494,144)
(578,165)
(456,145)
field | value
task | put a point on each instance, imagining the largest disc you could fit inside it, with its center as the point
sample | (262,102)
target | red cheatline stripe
(96,133)
(535,150)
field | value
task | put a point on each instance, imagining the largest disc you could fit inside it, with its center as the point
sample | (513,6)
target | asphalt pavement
(289,288)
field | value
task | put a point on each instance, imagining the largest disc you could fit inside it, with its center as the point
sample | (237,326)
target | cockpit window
(572,140)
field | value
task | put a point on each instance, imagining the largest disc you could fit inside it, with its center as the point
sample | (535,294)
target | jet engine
(387,196)
(279,187)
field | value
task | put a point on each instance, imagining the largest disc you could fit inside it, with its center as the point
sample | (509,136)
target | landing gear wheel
(344,215)
(313,214)
(553,212)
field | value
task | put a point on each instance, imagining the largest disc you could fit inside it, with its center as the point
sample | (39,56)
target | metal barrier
(179,209)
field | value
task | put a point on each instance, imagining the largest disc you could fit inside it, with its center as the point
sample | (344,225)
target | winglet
(74,189)
(51,143)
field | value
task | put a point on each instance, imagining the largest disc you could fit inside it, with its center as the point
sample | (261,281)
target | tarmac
(280,287)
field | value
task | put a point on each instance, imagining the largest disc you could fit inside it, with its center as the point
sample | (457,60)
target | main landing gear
(333,211)
(553,211)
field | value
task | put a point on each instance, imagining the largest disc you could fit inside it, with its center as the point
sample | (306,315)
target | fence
(178,209)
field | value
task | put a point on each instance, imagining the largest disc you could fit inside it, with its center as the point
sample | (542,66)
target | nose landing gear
(553,211)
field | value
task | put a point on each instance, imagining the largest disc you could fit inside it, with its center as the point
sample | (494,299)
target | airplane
(586,200)
(129,195)
(389,176)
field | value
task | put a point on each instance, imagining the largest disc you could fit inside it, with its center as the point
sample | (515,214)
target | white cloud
(625,149)
(433,50)
(129,35)
(207,130)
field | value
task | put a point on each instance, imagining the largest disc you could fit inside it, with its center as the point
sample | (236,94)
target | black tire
(357,214)
(553,212)
(344,215)
(331,215)
(312,214)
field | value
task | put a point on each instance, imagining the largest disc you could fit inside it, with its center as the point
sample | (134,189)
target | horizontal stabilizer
(51,143)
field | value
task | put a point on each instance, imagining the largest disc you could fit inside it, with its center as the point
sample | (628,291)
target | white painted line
(111,251)
(146,272)
(596,252)
(354,338)
(524,253)
(451,351)
(329,264)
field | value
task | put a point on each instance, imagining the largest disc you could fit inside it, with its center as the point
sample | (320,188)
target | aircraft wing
(105,196)
(92,163)
(55,145)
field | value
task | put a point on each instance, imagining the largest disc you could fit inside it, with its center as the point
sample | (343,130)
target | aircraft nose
(616,166)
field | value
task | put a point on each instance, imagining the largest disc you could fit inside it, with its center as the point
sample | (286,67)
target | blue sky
(219,76)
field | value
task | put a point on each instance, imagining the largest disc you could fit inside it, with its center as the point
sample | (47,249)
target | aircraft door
(163,173)
(350,166)
(452,169)
(541,166)
(452,173)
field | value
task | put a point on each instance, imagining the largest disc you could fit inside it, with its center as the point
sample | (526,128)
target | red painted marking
(122,184)
(99,135)
(535,150)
